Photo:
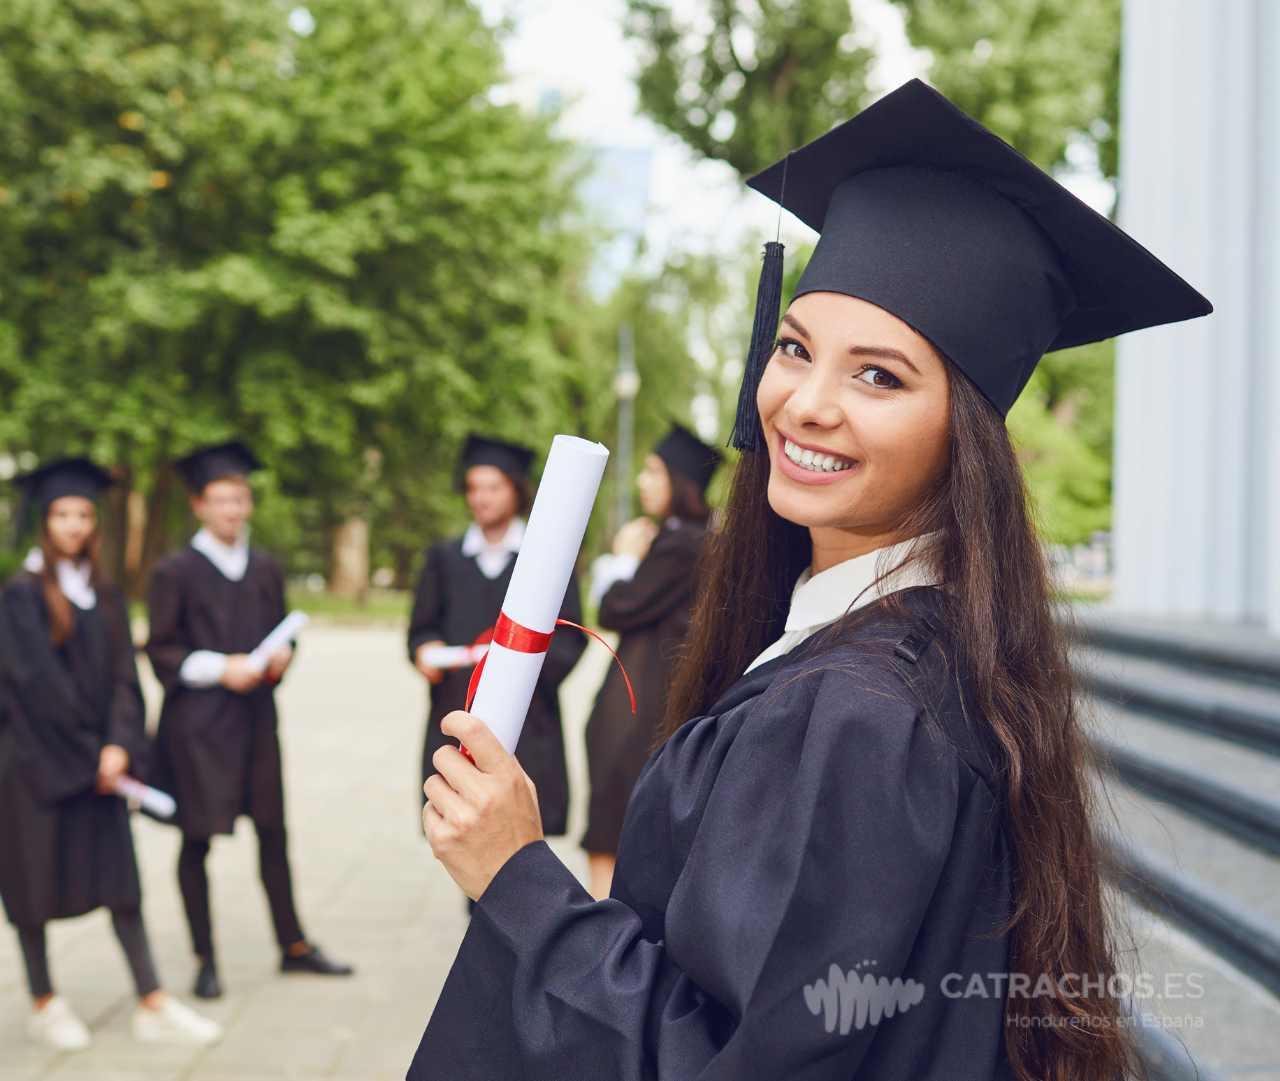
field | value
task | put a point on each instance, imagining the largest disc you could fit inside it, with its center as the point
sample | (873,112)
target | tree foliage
(331,245)
(1036,72)
(747,81)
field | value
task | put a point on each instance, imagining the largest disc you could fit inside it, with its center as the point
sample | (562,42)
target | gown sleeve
(662,582)
(57,737)
(169,643)
(426,624)
(567,643)
(126,715)
(819,864)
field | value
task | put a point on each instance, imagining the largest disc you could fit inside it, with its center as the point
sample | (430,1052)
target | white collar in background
(72,580)
(818,600)
(493,558)
(232,560)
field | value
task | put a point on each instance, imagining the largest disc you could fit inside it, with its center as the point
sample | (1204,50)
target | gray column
(1196,515)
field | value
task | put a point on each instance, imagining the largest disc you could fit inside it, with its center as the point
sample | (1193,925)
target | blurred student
(217,750)
(645,591)
(71,725)
(458,601)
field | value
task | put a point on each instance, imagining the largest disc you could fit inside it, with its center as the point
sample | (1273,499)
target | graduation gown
(833,818)
(217,751)
(455,603)
(64,849)
(652,613)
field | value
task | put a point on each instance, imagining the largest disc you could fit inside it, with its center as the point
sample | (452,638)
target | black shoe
(313,961)
(207,983)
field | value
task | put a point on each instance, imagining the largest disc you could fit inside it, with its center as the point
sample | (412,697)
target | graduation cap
(202,467)
(928,215)
(511,458)
(683,452)
(70,476)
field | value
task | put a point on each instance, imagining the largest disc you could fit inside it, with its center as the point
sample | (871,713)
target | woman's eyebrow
(880,351)
(795,324)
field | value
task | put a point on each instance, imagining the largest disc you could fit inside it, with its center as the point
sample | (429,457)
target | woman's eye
(793,348)
(879,378)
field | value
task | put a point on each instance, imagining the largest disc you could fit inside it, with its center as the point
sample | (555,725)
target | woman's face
(654,484)
(856,413)
(71,521)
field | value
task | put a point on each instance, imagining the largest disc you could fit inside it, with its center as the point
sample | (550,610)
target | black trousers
(273,863)
(131,932)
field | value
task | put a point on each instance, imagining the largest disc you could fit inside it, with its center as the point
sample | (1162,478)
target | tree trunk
(154,532)
(351,559)
(115,530)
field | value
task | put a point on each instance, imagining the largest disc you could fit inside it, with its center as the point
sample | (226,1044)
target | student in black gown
(71,725)
(645,591)
(217,749)
(864,849)
(458,600)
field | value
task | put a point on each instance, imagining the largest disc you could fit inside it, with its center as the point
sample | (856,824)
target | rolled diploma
(453,656)
(539,580)
(160,804)
(284,632)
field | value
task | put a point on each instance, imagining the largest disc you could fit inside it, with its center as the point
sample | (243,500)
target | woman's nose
(814,400)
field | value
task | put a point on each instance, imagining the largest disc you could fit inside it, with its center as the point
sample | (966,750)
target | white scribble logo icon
(855,998)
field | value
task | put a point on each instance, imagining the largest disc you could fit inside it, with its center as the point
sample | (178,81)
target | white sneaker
(173,1023)
(57,1026)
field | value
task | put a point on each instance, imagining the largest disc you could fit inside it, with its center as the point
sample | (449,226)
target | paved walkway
(369,892)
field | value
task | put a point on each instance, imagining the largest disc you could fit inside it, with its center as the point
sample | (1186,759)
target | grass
(378,605)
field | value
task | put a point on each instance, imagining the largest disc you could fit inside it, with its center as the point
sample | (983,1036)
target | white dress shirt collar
(72,580)
(493,558)
(818,600)
(231,559)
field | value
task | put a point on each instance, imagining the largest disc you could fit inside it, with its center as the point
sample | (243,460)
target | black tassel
(747,434)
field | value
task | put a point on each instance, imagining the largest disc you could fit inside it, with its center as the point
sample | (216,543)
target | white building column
(1197,454)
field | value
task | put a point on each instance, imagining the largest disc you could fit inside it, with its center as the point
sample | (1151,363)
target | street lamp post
(626,385)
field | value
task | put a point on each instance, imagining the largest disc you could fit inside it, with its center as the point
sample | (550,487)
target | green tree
(749,80)
(328,242)
(1038,73)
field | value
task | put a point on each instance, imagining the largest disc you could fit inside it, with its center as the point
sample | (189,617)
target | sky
(576,47)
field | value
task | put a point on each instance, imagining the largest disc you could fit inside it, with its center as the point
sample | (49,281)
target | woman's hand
(278,663)
(434,675)
(481,814)
(238,676)
(112,763)
(634,538)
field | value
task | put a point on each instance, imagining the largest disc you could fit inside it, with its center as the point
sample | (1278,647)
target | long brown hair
(62,618)
(995,580)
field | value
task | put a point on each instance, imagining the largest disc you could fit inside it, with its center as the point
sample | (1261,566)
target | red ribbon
(509,634)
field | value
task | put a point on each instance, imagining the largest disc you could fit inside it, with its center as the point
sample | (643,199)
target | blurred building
(1197,467)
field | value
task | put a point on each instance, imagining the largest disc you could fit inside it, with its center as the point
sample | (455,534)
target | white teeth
(819,463)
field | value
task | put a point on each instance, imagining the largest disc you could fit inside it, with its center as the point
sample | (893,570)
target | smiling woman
(871,779)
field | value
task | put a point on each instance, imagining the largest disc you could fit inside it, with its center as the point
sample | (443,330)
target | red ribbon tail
(567,623)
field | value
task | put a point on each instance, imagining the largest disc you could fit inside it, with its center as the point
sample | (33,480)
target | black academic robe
(833,826)
(652,612)
(217,751)
(64,849)
(455,603)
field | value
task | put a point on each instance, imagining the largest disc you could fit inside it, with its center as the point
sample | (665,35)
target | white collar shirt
(818,600)
(231,559)
(492,559)
(73,580)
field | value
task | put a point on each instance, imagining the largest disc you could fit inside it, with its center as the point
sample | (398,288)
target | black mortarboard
(511,458)
(71,476)
(683,452)
(200,468)
(928,215)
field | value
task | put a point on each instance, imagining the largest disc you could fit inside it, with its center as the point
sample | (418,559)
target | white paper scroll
(276,640)
(453,656)
(158,803)
(540,579)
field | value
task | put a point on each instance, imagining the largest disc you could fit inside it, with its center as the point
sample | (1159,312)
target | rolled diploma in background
(160,804)
(281,636)
(453,656)
(539,580)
